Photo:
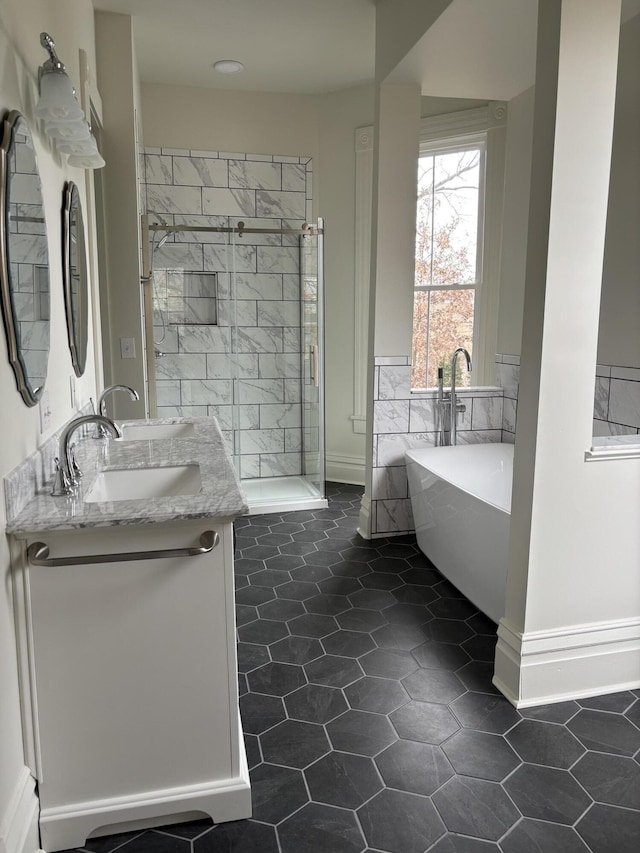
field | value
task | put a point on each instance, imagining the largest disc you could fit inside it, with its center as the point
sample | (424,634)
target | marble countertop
(220,497)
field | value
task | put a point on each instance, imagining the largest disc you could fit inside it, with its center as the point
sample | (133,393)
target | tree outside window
(448,258)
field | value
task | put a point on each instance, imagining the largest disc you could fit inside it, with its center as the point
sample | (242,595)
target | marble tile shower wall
(402,421)
(219,354)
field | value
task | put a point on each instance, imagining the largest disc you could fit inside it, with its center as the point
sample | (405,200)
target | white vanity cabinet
(129,678)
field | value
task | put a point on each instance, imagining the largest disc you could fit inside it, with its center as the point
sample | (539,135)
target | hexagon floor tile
(371,722)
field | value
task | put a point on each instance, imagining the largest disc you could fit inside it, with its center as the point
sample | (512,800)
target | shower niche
(233,310)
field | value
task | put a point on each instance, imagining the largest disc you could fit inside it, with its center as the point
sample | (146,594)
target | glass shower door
(311,321)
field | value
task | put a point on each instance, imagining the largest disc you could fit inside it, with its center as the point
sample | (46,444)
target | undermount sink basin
(143,432)
(132,484)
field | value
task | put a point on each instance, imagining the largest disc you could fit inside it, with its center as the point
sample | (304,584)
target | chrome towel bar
(38,553)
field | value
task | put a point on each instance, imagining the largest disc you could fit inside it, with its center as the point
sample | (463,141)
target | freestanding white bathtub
(461,500)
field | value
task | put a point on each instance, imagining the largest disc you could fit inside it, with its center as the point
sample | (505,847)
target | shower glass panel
(311,305)
(237,313)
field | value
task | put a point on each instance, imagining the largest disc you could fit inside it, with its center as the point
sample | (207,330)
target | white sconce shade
(67,130)
(83,153)
(64,120)
(77,146)
(86,161)
(57,98)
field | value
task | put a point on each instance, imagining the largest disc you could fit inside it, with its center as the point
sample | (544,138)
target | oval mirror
(74,273)
(24,259)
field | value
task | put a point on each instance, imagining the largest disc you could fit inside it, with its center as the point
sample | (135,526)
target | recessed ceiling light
(228,66)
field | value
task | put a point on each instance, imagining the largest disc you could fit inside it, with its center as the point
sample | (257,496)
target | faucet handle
(75,468)
(62,485)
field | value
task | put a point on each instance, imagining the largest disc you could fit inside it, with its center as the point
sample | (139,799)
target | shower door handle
(313,365)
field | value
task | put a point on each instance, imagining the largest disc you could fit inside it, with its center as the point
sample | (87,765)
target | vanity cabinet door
(133,665)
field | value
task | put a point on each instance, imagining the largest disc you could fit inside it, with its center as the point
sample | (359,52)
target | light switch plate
(127,347)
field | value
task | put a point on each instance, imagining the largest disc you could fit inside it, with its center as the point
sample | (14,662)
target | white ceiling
(303,46)
(483,50)
(476,49)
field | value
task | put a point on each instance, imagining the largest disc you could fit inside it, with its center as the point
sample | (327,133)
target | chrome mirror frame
(76,309)
(29,394)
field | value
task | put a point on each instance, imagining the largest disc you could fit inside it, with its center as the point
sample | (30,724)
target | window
(448,270)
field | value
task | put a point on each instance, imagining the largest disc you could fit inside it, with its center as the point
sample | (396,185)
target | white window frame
(455,131)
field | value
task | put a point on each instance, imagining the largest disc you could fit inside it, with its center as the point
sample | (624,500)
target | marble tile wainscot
(403,420)
(616,408)
(507,377)
(617,401)
(198,375)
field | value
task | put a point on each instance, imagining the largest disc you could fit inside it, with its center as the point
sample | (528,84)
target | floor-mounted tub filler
(461,500)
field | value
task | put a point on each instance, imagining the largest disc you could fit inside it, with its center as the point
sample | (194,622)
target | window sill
(613,447)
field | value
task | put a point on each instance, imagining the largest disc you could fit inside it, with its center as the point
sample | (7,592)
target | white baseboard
(345,469)
(19,824)
(364,521)
(541,667)
(65,827)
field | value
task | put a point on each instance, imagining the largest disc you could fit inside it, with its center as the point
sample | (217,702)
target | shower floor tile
(371,723)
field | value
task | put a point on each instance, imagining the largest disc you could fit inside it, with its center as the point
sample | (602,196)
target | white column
(364,181)
(572,622)
(393,231)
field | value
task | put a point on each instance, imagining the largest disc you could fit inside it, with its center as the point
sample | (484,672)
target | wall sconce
(64,121)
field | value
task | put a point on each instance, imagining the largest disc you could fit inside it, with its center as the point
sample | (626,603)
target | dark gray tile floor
(371,723)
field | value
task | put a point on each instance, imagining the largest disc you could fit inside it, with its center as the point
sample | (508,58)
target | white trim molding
(364,521)
(489,290)
(19,824)
(464,122)
(540,667)
(364,148)
(345,469)
(66,827)
(490,125)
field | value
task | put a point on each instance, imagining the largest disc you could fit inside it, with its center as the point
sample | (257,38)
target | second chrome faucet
(102,406)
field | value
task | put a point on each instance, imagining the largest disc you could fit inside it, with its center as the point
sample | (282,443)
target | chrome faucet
(102,406)
(455,406)
(67,471)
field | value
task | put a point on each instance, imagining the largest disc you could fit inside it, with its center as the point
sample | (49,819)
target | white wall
(121,297)
(71,26)
(400,24)
(394,215)
(216,120)
(515,220)
(619,341)
(430,106)
(340,114)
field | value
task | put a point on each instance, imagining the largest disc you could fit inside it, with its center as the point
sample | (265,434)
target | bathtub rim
(424,456)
